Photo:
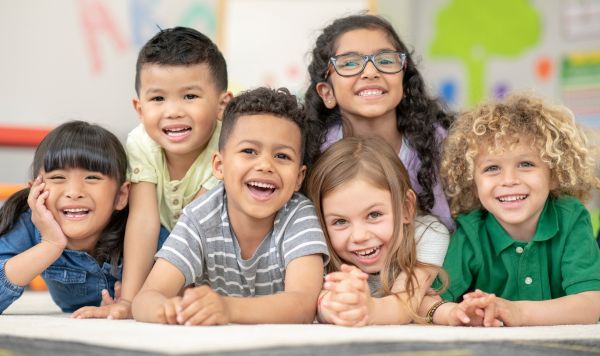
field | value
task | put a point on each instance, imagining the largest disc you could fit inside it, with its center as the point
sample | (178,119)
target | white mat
(23,319)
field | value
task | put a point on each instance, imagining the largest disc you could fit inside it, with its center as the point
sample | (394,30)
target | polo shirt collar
(547,227)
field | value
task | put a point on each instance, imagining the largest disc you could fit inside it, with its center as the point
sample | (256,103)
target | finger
(340,321)
(490,312)
(106,298)
(337,307)
(117,291)
(188,311)
(346,298)
(347,285)
(90,313)
(355,271)
(170,312)
(355,314)
(192,294)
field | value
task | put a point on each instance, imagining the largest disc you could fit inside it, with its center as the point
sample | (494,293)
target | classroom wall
(75,59)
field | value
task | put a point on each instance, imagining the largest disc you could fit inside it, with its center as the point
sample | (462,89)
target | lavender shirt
(411,161)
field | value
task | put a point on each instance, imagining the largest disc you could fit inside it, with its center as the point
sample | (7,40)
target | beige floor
(35,316)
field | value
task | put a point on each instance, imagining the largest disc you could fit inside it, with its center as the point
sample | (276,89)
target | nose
(173,110)
(359,233)
(370,70)
(264,163)
(74,190)
(510,177)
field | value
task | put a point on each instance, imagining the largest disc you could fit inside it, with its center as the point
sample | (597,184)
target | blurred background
(75,59)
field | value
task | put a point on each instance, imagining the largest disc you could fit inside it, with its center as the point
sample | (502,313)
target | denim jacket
(74,280)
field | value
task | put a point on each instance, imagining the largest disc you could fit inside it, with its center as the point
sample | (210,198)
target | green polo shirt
(562,258)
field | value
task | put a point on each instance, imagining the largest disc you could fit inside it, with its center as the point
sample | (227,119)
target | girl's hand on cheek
(42,217)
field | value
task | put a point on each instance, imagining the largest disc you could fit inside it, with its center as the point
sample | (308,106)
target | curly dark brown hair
(418,115)
(278,102)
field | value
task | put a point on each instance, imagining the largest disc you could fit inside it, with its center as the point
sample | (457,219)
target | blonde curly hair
(496,125)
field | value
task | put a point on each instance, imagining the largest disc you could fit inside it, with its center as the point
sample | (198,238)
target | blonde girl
(381,262)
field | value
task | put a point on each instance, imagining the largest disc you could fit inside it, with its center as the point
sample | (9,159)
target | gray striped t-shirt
(203,247)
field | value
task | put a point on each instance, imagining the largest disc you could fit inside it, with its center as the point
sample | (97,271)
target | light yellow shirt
(147,163)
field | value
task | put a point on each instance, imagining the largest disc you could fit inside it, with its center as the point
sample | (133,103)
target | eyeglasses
(351,64)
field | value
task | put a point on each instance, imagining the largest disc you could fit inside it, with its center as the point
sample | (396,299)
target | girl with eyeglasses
(363,82)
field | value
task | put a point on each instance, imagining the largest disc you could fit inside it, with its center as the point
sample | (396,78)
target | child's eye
(282,156)
(338,222)
(374,215)
(55,177)
(249,151)
(526,164)
(94,177)
(157,98)
(492,168)
(190,96)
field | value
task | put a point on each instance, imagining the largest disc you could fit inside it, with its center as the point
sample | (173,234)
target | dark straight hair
(78,144)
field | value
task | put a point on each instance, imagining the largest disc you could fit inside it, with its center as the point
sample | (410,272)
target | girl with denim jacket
(69,224)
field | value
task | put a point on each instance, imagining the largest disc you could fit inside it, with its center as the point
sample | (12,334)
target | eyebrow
(374,52)
(187,88)
(368,209)
(259,143)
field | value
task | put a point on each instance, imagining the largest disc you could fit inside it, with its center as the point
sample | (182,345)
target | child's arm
(296,304)
(580,308)
(157,301)
(141,239)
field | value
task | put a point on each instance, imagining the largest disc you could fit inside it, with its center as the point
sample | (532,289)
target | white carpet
(35,316)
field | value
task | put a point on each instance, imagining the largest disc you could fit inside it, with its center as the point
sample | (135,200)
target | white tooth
(370,92)
(262,185)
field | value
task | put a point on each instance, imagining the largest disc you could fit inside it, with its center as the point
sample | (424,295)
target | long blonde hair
(375,161)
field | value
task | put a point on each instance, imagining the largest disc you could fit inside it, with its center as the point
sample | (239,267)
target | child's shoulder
(139,138)
(208,203)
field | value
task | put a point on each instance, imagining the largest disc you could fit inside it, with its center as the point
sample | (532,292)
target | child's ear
(326,93)
(224,99)
(300,179)
(217,165)
(122,196)
(410,207)
(137,107)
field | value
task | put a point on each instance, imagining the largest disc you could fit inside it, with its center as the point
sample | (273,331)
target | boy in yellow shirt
(181,85)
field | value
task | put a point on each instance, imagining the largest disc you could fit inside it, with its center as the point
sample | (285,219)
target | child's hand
(167,313)
(348,301)
(110,308)
(508,312)
(202,306)
(42,217)
(485,308)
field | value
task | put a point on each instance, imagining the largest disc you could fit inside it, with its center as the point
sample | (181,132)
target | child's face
(370,94)
(513,185)
(179,107)
(260,165)
(360,223)
(82,202)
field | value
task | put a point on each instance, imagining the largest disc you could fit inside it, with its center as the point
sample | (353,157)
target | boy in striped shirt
(250,250)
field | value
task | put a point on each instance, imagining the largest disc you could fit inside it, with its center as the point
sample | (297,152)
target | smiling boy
(251,248)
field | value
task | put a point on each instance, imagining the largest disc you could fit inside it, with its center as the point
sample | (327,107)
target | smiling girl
(383,258)
(68,225)
(364,82)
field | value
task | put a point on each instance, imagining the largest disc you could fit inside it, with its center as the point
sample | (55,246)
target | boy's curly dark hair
(278,102)
(182,46)
(418,115)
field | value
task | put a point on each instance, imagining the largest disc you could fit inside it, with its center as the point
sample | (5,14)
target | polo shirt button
(174,189)
(528,280)
(136,171)
(519,249)
(176,201)
(176,215)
